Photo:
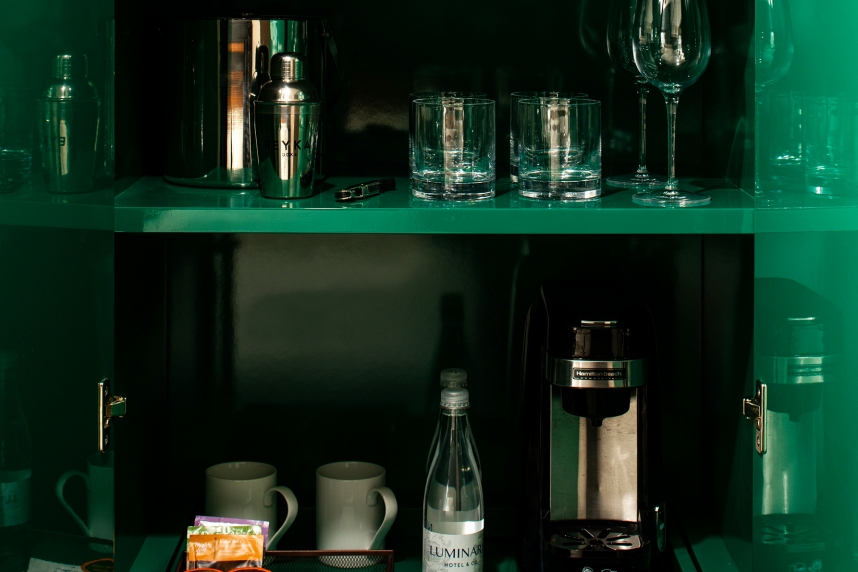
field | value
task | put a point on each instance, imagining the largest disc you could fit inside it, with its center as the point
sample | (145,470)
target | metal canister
(68,127)
(287,129)
(218,67)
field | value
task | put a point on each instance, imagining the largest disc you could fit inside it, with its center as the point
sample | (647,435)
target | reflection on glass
(15,470)
(68,118)
(829,145)
(773,54)
(98,479)
(784,136)
(16,137)
(798,348)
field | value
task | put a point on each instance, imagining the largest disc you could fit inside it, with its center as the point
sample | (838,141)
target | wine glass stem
(643,91)
(672,101)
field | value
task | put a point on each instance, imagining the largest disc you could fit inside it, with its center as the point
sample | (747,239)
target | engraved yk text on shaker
(287,129)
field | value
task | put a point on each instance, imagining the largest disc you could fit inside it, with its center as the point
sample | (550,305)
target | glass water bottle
(453,502)
(451,377)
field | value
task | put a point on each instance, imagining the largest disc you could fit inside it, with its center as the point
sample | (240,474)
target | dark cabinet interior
(298,350)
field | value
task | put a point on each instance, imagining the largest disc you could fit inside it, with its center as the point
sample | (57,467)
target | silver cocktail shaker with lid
(287,129)
(68,127)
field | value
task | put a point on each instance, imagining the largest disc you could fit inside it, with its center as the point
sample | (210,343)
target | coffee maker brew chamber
(592,499)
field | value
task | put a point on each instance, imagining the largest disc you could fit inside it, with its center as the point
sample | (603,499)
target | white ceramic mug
(248,491)
(99,486)
(349,515)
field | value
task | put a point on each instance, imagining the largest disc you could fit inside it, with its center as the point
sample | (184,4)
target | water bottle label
(14,502)
(448,551)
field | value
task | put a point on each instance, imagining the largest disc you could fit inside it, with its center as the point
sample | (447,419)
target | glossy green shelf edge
(158,554)
(151,205)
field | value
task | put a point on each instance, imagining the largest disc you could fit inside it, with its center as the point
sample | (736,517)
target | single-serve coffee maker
(592,502)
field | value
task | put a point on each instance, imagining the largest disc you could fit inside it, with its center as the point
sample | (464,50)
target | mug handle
(291,512)
(391,507)
(61,485)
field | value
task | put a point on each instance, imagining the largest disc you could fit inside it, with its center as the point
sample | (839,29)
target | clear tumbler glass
(429,95)
(829,144)
(454,149)
(514,98)
(560,148)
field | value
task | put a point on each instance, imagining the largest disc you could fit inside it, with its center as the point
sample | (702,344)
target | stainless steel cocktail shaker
(68,127)
(287,129)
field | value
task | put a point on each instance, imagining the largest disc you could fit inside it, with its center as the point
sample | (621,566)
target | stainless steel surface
(594,470)
(598,323)
(660,527)
(68,112)
(755,409)
(789,482)
(110,407)
(288,81)
(218,67)
(798,369)
(593,538)
(596,374)
(287,130)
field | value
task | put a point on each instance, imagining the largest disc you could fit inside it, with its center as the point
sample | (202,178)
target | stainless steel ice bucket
(217,69)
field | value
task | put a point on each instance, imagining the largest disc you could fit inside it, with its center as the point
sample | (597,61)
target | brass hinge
(110,407)
(754,408)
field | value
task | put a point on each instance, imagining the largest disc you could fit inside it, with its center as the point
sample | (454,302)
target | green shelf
(152,205)
(31,205)
(806,213)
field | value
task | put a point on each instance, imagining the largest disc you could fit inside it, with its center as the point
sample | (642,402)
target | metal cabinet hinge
(110,407)
(754,408)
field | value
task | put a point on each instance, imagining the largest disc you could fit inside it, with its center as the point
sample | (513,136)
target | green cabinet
(304,332)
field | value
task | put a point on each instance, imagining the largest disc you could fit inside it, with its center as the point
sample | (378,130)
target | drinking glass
(560,148)
(783,136)
(514,98)
(17,121)
(454,149)
(829,144)
(671,48)
(620,22)
(428,95)
(773,54)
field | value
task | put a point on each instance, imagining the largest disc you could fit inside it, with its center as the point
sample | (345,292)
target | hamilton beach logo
(288,148)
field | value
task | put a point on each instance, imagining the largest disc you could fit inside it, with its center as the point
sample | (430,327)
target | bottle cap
(454,377)
(288,66)
(455,398)
(67,66)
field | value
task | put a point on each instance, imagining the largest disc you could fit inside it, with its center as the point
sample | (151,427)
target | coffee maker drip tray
(571,541)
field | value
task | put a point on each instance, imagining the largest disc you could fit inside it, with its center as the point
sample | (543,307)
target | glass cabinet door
(56,284)
(806,287)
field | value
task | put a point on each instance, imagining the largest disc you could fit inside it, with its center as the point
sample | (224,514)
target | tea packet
(216,520)
(225,546)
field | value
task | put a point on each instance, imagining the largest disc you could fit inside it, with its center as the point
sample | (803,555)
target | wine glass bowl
(672,44)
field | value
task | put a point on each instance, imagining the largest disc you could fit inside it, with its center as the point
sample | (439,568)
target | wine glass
(620,23)
(671,48)
(773,53)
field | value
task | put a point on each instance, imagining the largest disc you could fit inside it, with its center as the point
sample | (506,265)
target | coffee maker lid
(607,321)
(455,398)
(454,377)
